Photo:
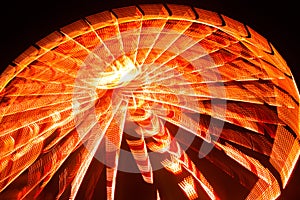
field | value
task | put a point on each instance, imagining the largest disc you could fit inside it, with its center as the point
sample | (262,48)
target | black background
(23,23)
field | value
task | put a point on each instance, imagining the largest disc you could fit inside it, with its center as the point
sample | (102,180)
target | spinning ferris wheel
(179,102)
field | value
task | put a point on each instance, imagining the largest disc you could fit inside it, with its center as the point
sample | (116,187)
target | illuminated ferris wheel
(171,100)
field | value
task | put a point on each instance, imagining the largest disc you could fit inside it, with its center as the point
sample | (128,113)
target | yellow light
(123,72)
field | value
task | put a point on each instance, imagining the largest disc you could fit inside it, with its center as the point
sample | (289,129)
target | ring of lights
(131,76)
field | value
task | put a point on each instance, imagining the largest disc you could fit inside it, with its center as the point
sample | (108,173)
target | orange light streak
(188,186)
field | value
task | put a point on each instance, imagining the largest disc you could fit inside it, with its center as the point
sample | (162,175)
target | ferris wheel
(172,100)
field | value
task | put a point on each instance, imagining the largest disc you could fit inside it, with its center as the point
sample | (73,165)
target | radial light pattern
(191,102)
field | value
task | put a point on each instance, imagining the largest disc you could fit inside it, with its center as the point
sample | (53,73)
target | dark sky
(25,22)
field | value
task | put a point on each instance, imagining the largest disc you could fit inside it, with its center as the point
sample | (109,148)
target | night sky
(25,22)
